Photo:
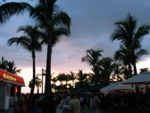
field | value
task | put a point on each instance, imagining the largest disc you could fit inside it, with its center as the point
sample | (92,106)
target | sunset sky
(92,25)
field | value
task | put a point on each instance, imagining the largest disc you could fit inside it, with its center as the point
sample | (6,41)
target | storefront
(10,89)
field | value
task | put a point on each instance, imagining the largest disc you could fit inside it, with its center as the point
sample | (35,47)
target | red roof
(11,78)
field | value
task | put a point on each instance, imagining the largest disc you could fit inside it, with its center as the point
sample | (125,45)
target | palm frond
(12,8)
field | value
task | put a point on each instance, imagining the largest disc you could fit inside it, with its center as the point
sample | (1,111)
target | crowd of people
(66,103)
(78,102)
(22,105)
(125,102)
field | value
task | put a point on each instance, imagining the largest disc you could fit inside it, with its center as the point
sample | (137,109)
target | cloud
(91,27)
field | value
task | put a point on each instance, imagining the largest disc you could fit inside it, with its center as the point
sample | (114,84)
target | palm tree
(92,58)
(126,56)
(30,41)
(67,78)
(54,80)
(47,15)
(56,23)
(38,83)
(143,70)
(9,66)
(125,72)
(130,36)
(12,68)
(123,55)
(61,77)
(82,77)
(90,77)
(11,8)
(3,63)
(72,76)
(106,66)
(117,74)
(136,55)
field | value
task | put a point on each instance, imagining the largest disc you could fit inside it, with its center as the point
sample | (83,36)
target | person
(20,108)
(65,102)
(87,101)
(49,103)
(27,103)
(74,104)
(81,98)
(37,108)
(94,103)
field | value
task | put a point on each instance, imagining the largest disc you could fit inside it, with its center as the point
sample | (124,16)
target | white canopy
(138,79)
(116,86)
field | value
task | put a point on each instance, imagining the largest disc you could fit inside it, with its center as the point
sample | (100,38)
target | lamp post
(42,80)
(36,83)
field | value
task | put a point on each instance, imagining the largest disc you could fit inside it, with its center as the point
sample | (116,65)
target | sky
(91,28)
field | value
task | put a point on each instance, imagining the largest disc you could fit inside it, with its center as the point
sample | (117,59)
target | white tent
(142,78)
(116,86)
(108,88)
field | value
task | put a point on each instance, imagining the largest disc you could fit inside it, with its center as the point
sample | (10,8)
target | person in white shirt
(65,102)
(74,104)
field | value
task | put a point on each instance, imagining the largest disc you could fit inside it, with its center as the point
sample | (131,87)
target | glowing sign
(6,76)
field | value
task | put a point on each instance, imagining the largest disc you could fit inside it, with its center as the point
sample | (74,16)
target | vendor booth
(10,89)
(116,87)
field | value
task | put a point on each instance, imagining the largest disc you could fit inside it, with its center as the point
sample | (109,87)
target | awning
(11,78)
(116,86)
(142,78)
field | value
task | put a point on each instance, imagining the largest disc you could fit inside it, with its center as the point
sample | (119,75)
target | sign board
(9,77)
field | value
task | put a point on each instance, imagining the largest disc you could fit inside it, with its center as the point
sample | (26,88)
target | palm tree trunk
(130,70)
(135,69)
(48,68)
(38,89)
(32,88)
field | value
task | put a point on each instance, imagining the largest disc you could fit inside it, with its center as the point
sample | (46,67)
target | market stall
(116,86)
(10,89)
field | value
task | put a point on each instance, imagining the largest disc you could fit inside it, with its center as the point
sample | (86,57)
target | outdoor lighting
(37,79)
(91,84)
(16,90)
(67,86)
